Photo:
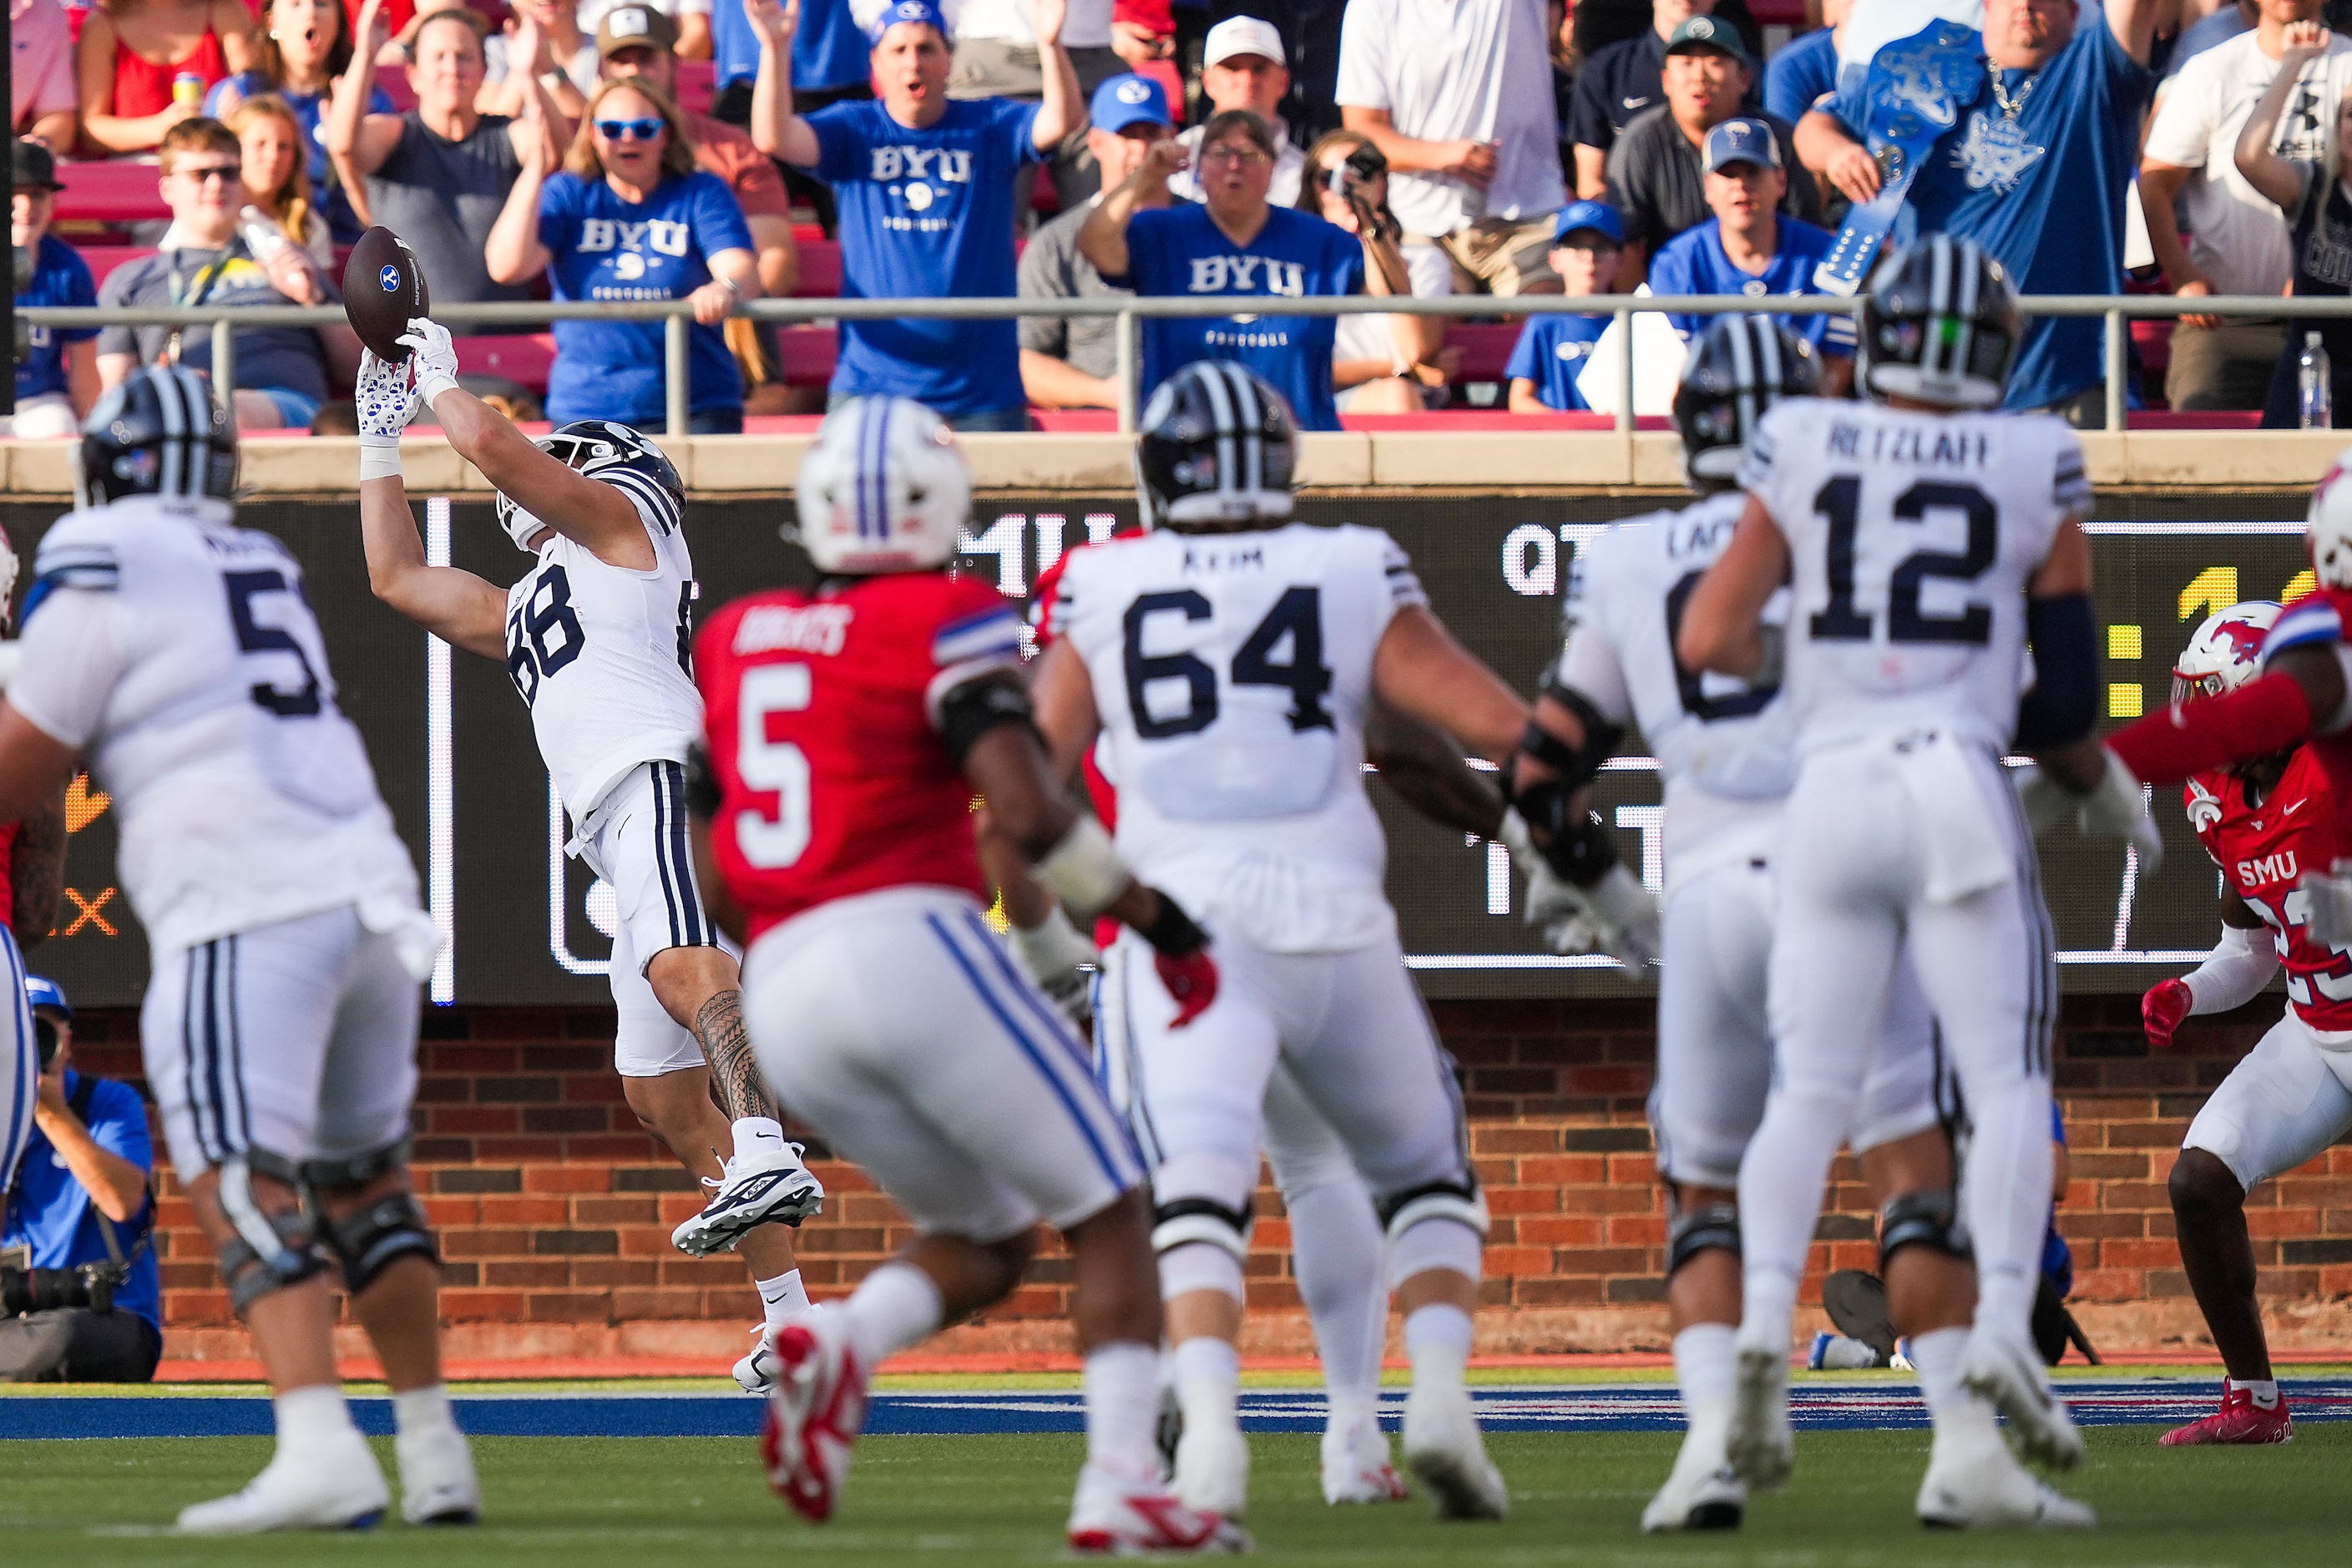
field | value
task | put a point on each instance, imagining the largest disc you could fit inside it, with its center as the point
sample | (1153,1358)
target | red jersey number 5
(771,766)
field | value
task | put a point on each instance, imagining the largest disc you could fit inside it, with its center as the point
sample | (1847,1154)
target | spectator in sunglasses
(628,218)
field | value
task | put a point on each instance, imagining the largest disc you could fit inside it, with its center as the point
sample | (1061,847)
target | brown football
(383,287)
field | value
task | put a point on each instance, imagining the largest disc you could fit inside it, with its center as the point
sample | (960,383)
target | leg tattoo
(727,1045)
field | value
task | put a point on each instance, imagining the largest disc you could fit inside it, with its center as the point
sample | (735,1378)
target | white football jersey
(1232,673)
(602,656)
(1912,537)
(178,652)
(1722,745)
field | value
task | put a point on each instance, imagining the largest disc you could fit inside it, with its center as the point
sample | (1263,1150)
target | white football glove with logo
(386,398)
(432,355)
(1061,961)
(2115,808)
(1616,915)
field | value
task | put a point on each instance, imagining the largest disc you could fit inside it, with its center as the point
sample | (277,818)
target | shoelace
(799,1149)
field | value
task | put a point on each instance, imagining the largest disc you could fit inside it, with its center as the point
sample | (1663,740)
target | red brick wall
(555,1211)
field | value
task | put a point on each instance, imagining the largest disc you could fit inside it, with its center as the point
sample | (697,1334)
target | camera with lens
(1351,180)
(91,1286)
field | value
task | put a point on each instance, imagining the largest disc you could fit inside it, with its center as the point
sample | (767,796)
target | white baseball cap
(1243,36)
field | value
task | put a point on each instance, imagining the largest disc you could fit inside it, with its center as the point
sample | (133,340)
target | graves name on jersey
(2263,848)
(823,714)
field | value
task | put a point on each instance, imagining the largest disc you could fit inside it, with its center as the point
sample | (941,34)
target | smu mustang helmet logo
(2245,640)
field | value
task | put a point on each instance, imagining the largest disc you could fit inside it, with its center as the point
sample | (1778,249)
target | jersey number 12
(1840,501)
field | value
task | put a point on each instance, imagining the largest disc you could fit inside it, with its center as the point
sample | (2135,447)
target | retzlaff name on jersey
(823,716)
(2264,850)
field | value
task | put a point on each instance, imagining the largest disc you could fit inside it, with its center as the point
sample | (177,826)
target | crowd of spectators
(1511,148)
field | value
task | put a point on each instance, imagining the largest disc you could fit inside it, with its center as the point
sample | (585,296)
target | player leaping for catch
(595,638)
(177,653)
(849,726)
(2265,822)
(1927,539)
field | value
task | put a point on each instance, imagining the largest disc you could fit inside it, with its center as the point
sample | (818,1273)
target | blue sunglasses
(644,130)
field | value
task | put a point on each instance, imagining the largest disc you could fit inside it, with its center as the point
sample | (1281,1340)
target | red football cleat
(2240,1420)
(1117,1517)
(814,1416)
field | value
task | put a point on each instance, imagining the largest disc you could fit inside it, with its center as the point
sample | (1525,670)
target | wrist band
(1084,870)
(380,458)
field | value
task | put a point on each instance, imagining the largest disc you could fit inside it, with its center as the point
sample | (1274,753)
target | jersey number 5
(1298,613)
(777,767)
(252,637)
(1840,501)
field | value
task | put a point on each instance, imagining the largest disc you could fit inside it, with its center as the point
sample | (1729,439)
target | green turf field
(642,1503)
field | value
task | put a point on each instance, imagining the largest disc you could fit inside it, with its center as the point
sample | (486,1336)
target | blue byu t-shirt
(51,1213)
(1803,70)
(1694,262)
(1180,251)
(928,214)
(1551,352)
(60,277)
(601,247)
(2042,194)
(830,50)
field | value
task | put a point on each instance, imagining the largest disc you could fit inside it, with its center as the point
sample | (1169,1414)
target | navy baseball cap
(1698,34)
(919,11)
(1742,140)
(43,992)
(1129,99)
(1599,217)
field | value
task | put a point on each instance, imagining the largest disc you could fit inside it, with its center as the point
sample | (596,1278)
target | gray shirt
(1053,268)
(1658,185)
(285,357)
(443,196)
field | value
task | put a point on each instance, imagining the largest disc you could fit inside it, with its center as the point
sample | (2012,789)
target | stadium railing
(2116,310)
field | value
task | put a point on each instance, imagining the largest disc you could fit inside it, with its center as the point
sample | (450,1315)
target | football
(383,286)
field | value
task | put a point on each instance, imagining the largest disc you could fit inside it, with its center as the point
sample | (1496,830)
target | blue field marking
(1585,1408)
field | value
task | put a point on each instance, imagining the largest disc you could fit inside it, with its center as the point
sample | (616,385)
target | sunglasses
(202,173)
(644,130)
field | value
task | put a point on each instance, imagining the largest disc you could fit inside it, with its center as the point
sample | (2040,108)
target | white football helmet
(2226,652)
(883,489)
(2330,524)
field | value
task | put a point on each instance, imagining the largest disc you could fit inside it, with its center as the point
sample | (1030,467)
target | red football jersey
(2263,851)
(1101,792)
(8,875)
(2322,617)
(822,714)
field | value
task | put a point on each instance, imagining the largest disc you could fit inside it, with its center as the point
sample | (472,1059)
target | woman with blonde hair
(269,144)
(628,218)
(301,48)
(1380,364)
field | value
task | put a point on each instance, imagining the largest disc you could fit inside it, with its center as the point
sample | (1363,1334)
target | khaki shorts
(1502,257)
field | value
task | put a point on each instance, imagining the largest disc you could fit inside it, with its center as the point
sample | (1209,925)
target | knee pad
(1197,1266)
(1203,1197)
(1708,1226)
(273,1248)
(1436,1241)
(358,1171)
(1927,1218)
(1205,1222)
(1460,1201)
(368,1240)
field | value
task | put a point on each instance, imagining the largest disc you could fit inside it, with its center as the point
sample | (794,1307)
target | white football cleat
(1759,1445)
(1441,1446)
(1356,1467)
(1980,1486)
(2009,1375)
(1117,1517)
(1702,1493)
(815,1413)
(757,1372)
(332,1486)
(767,1186)
(1212,1470)
(438,1485)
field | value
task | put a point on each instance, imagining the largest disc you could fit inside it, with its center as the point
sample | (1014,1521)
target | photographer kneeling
(78,1296)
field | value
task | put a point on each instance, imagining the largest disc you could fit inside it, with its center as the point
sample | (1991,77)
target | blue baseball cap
(1742,141)
(43,992)
(921,12)
(1129,99)
(1599,217)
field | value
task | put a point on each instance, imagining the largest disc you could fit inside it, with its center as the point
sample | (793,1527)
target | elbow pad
(2065,703)
(2235,971)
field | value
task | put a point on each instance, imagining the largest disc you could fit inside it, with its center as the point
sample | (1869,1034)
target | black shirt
(1622,80)
(1658,185)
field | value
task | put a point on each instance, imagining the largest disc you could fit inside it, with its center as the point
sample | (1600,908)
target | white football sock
(1336,1249)
(896,1305)
(2265,1393)
(758,1134)
(1437,1340)
(312,1417)
(1704,1367)
(1208,1380)
(2005,1197)
(424,1409)
(1955,1411)
(1122,1385)
(782,1299)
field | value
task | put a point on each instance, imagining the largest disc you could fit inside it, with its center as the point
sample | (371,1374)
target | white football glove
(2329,896)
(432,355)
(2115,808)
(1616,915)
(385,397)
(1061,961)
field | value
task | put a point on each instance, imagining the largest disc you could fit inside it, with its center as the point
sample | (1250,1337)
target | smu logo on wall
(1247,274)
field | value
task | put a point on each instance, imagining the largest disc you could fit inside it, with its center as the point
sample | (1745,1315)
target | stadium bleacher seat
(105,259)
(1486,348)
(111,192)
(820,276)
(697,84)
(523,358)
(808,350)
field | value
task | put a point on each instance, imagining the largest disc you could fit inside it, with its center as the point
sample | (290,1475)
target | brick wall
(555,1210)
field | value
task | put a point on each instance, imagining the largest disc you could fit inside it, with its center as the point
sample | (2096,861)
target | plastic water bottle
(263,239)
(2315,385)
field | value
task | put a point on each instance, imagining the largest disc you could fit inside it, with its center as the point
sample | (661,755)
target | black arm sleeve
(2065,703)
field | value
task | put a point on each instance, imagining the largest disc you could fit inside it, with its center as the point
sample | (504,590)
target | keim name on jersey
(812,628)
(1912,444)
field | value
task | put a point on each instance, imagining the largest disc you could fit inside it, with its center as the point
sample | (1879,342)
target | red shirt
(8,875)
(2264,850)
(820,711)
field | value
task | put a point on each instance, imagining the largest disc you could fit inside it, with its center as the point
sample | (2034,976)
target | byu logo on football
(389,278)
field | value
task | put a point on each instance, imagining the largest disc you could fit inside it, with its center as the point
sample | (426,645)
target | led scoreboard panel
(453,747)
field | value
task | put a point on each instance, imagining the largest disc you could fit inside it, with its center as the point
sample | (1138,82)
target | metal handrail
(1131,311)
